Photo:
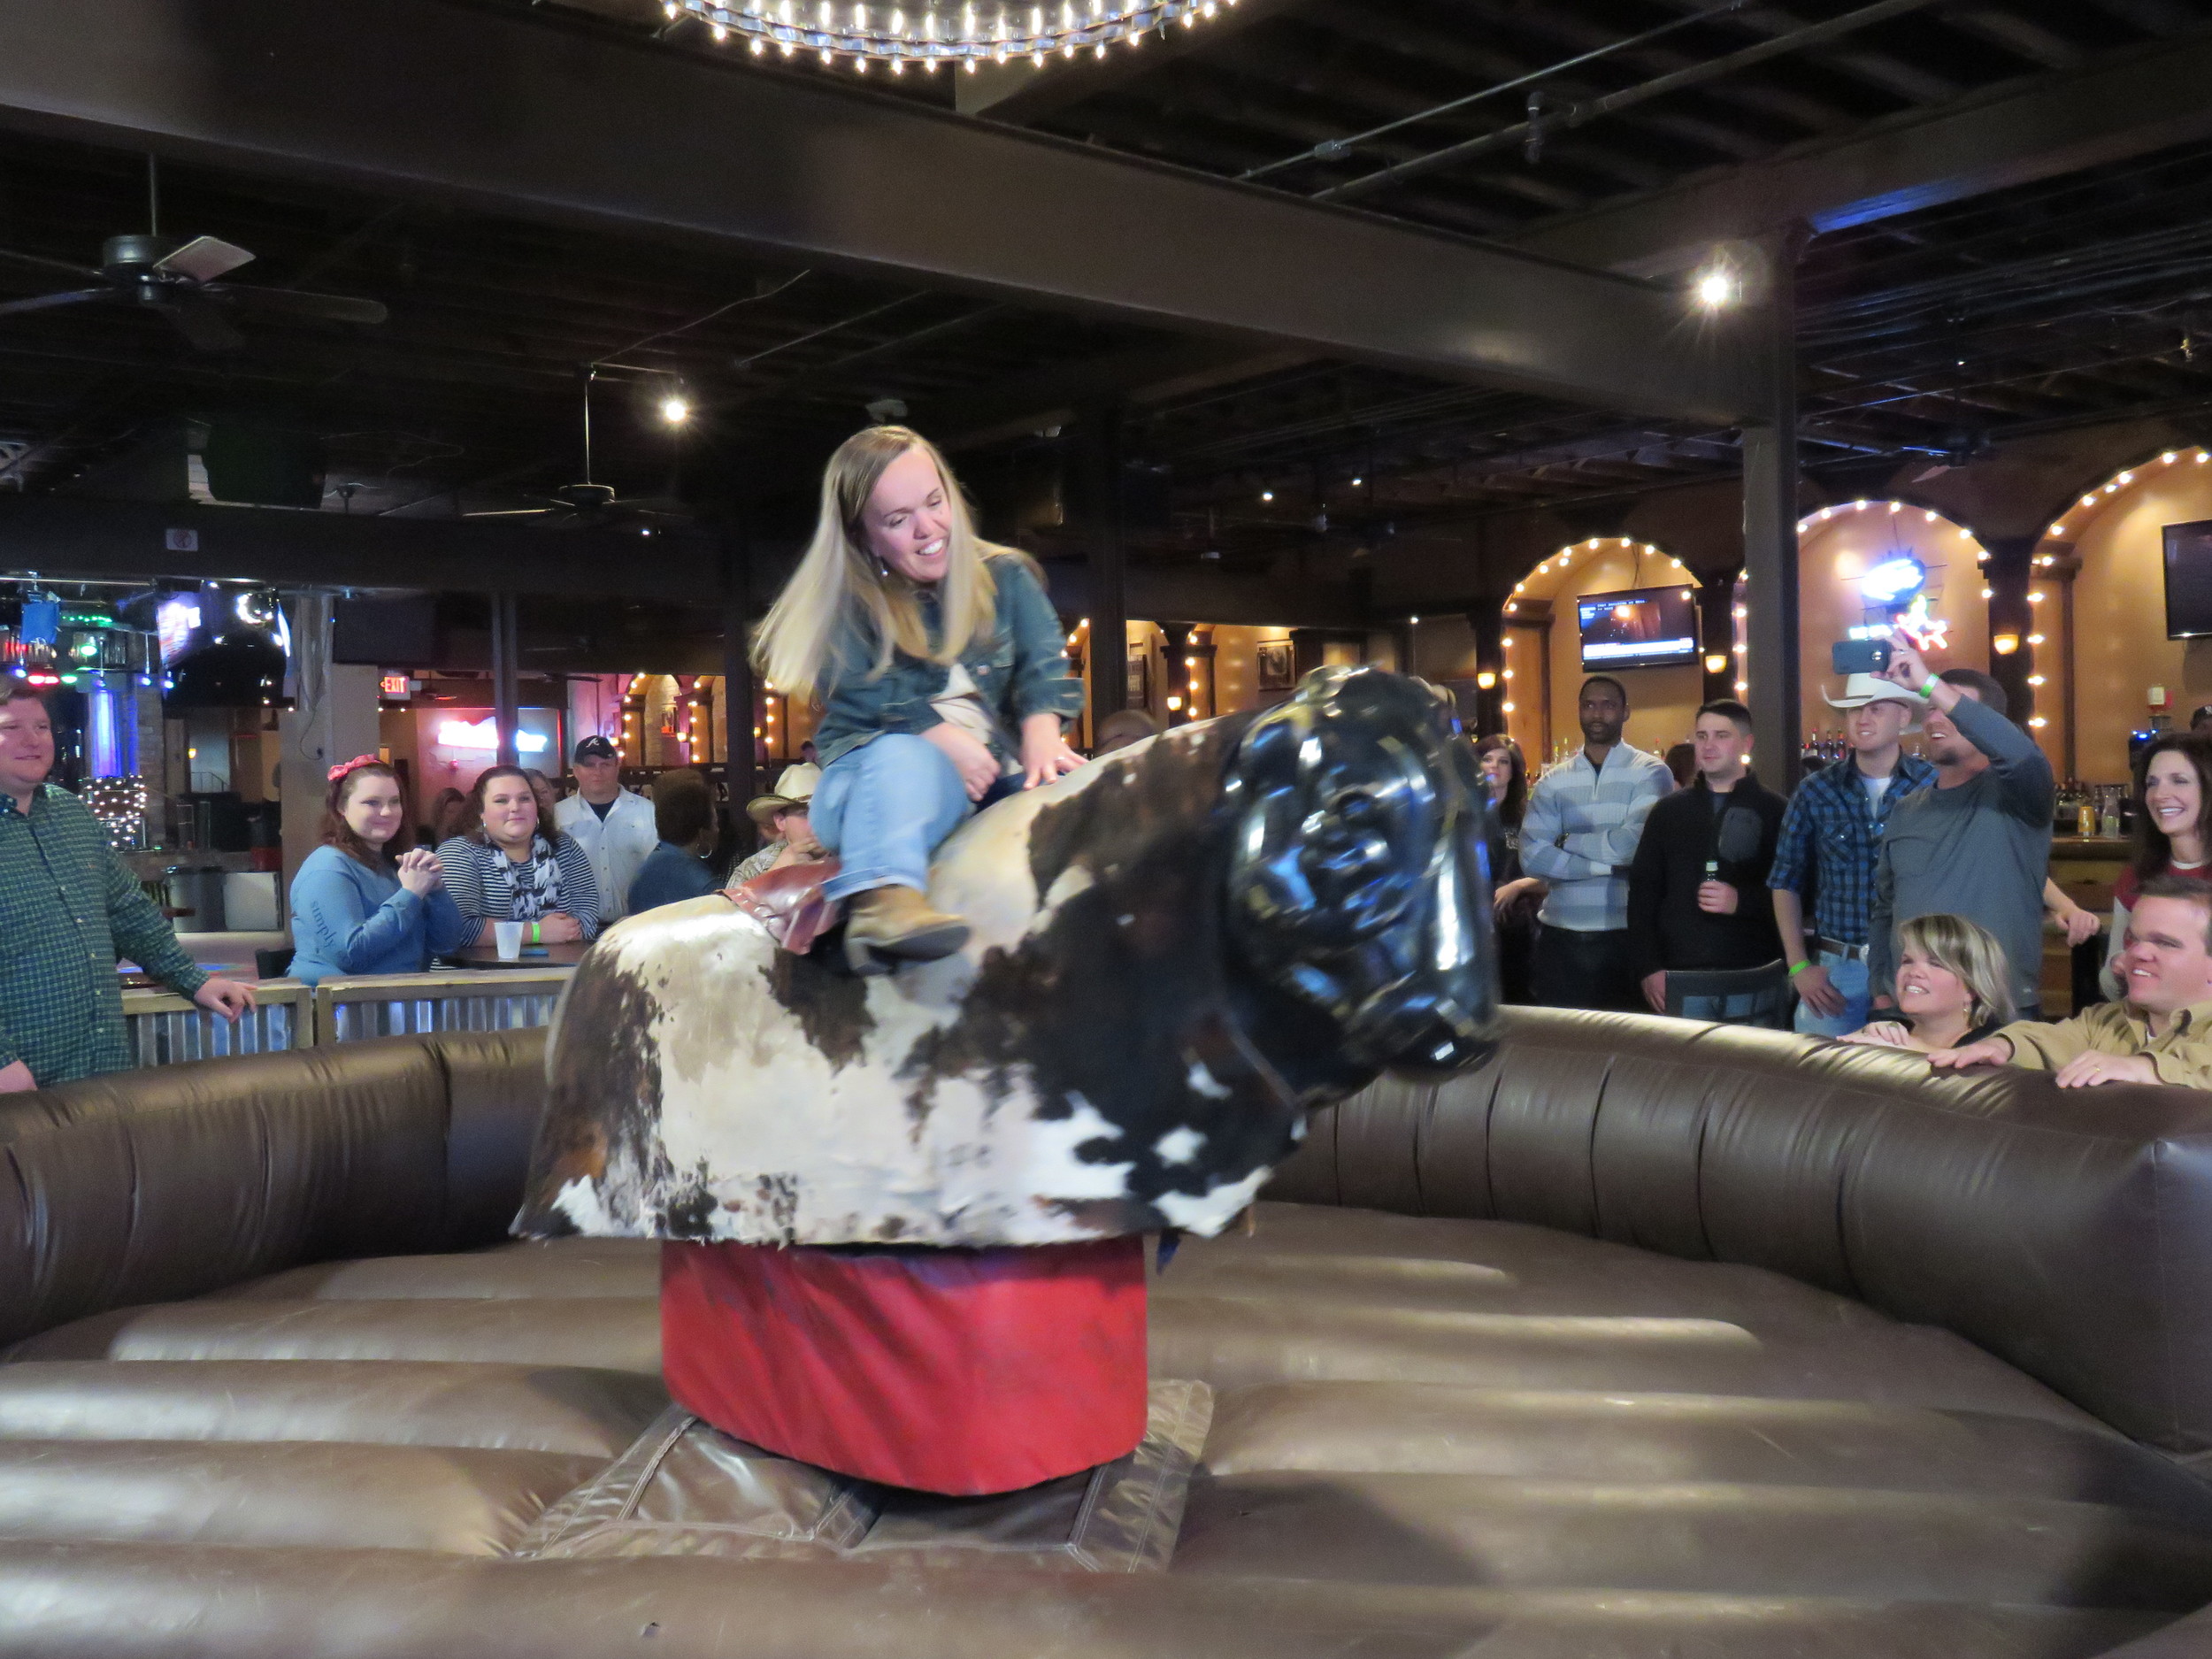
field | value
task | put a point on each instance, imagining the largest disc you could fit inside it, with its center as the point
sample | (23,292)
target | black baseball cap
(596,748)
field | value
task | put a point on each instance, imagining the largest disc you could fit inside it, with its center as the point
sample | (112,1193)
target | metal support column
(1769,530)
(1488,624)
(1101,463)
(504,696)
(2010,570)
(1716,634)
(741,696)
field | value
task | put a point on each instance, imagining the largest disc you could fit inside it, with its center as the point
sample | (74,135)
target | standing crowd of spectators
(1892,899)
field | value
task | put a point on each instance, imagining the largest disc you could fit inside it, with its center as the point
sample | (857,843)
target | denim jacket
(1020,667)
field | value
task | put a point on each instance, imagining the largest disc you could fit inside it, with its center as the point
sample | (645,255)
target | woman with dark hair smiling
(510,869)
(355,909)
(2173,831)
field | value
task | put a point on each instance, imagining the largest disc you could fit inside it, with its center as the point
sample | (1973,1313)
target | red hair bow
(354,764)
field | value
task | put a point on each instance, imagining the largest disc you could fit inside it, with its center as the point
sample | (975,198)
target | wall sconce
(2004,644)
(1716,662)
(1486,680)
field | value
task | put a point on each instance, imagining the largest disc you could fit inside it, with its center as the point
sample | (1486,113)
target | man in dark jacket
(1697,891)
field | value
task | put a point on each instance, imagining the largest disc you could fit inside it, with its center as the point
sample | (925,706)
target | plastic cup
(508,935)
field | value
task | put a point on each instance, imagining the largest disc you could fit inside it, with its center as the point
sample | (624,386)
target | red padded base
(956,1372)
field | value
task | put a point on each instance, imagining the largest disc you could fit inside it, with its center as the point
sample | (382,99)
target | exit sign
(394,686)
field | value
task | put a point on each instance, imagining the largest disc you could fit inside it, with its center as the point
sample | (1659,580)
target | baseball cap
(596,748)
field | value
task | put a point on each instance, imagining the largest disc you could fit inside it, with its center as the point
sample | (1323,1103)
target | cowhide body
(1125,1043)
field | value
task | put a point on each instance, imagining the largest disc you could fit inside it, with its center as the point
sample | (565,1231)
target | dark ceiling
(1937,332)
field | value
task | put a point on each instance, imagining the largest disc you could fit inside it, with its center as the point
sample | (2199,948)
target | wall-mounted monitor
(2189,579)
(1642,627)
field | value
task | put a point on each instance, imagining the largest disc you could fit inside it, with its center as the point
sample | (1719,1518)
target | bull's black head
(1358,886)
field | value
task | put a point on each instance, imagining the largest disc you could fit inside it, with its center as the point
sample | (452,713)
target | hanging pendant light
(930,33)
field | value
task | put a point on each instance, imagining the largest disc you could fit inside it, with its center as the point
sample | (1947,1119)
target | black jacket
(1666,930)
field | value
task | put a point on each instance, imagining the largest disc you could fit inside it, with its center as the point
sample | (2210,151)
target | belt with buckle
(1837,948)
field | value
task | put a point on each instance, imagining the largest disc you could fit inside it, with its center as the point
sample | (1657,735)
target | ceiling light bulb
(1716,288)
(675,409)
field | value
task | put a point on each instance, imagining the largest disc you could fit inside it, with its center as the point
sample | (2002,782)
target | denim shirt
(1020,667)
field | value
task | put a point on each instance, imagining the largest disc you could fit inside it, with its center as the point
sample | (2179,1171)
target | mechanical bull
(1178,952)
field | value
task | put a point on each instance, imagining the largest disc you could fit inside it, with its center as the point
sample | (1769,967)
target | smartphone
(1860,656)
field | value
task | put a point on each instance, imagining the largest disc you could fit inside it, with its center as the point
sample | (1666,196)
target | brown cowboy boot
(888,925)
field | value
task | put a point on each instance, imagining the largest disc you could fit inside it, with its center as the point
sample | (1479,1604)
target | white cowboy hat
(1862,689)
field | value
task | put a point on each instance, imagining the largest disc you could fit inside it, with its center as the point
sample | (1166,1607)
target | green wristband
(1926,691)
(1801,967)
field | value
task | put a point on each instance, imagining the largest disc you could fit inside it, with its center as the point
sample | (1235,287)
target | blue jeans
(884,809)
(1849,977)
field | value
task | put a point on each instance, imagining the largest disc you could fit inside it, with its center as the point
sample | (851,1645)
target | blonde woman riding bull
(901,1210)
(937,659)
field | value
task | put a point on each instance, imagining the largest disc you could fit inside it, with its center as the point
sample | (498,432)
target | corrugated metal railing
(164,1028)
(401,1004)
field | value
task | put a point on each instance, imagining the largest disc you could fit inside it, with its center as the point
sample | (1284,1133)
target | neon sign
(485,734)
(1893,580)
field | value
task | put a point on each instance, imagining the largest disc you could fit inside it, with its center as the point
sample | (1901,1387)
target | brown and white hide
(1099,1060)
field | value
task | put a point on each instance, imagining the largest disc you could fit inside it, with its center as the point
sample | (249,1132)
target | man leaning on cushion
(2162,1033)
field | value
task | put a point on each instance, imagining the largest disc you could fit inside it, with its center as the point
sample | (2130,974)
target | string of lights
(929,35)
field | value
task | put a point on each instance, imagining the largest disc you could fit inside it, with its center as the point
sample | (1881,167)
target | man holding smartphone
(1829,844)
(1977,844)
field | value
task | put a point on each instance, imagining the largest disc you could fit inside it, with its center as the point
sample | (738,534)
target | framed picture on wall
(1139,688)
(1278,665)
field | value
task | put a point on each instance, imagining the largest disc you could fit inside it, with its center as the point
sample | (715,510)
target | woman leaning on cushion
(509,868)
(1953,989)
(938,664)
(356,908)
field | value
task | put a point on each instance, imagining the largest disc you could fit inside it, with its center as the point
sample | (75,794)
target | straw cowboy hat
(795,787)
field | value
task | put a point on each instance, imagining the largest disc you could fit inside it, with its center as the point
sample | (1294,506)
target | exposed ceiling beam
(1021,92)
(2139,101)
(64,537)
(1058,395)
(540,118)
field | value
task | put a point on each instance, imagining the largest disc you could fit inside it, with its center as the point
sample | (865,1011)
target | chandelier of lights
(930,33)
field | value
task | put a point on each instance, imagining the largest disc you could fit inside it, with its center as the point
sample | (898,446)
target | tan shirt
(2181,1054)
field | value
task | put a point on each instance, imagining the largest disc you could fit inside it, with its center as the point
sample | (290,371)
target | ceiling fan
(589,505)
(180,280)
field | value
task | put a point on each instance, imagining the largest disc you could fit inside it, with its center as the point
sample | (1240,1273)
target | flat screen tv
(1642,627)
(2189,579)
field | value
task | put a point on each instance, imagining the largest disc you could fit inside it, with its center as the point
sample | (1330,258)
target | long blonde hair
(840,573)
(1967,949)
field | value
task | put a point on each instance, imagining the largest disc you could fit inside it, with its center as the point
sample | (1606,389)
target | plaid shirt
(68,908)
(1831,843)
(1580,833)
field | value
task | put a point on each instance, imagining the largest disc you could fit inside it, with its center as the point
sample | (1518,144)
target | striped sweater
(477,875)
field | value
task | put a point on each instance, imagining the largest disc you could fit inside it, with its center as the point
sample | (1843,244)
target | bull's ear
(1267,757)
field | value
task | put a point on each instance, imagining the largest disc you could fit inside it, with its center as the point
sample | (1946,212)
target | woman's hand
(1883,1033)
(420,873)
(1046,756)
(970,755)
(557,927)
(1512,893)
